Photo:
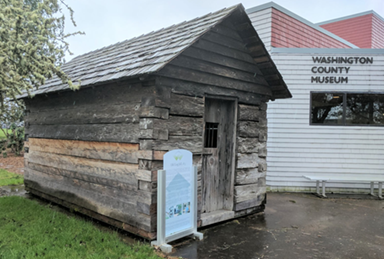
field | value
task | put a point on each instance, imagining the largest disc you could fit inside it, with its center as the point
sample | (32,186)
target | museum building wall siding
(262,21)
(296,148)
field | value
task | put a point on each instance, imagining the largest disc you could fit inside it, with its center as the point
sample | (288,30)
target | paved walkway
(297,226)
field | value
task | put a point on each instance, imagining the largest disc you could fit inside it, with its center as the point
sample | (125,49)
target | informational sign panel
(176,199)
(179,193)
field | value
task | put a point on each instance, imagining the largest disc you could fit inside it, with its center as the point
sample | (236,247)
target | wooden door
(218,155)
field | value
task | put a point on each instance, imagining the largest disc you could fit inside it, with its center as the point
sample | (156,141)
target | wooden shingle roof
(148,54)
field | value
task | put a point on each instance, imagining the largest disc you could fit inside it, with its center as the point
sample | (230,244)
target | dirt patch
(13,163)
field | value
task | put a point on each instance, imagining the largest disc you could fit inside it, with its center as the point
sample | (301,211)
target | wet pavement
(297,226)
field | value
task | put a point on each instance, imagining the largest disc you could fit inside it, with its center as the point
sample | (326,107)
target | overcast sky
(107,22)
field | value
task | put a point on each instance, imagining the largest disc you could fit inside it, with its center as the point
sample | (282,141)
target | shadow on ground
(297,226)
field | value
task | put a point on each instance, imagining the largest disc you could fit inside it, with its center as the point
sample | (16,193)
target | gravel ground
(13,163)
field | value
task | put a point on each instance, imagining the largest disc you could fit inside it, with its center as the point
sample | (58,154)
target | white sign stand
(176,199)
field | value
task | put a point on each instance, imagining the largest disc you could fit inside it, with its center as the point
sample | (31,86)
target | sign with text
(176,199)
(178,168)
(335,70)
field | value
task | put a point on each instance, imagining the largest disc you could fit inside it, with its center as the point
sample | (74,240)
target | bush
(12,125)
(2,144)
(15,139)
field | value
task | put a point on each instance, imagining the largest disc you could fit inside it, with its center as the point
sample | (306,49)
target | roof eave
(260,55)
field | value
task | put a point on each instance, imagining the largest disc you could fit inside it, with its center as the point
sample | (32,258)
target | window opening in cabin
(211,130)
(347,109)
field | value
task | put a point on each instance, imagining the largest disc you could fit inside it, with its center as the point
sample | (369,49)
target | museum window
(347,109)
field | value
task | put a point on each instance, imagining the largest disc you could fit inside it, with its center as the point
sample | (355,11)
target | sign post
(176,199)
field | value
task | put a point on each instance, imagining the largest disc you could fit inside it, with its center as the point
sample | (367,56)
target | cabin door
(218,155)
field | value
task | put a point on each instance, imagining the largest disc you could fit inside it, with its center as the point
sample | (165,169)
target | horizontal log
(158,155)
(195,76)
(180,104)
(119,192)
(258,210)
(122,133)
(148,209)
(147,186)
(153,112)
(262,166)
(105,181)
(87,197)
(263,136)
(151,164)
(146,144)
(175,125)
(113,93)
(218,70)
(251,160)
(250,129)
(156,133)
(93,201)
(144,175)
(191,143)
(263,122)
(249,145)
(101,113)
(248,176)
(254,203)
(114,170)
(223,50)
(195,89)
(215,58)
(263,150)
(226,28)
(248,192)
(109,187)
(249,113)
(263,106)
(227,41)
(210,218)
(119,224)
(111,151)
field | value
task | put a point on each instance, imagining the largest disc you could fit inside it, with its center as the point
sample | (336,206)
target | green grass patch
(30,230)
(8,178)
(2,136)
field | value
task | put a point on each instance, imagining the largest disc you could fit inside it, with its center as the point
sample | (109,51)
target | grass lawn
(2,136)
(7,178)
(30,230)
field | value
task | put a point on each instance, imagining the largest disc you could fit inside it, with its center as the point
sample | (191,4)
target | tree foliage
(32,45)
(32,49)
(12,126)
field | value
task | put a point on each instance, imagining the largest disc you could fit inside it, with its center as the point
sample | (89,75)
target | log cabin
(201,85)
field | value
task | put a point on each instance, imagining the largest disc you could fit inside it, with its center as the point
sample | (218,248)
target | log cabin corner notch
(202,85)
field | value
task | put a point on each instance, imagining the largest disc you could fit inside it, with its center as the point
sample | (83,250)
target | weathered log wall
(250,183)
(84,148)
(184,129)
